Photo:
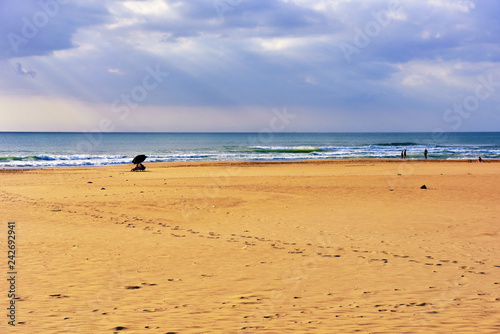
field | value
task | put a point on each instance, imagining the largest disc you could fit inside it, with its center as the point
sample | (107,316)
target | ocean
(54,149)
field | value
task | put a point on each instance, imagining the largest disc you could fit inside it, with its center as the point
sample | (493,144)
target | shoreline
(252,162)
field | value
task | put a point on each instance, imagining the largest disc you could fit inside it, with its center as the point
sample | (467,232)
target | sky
(250,65)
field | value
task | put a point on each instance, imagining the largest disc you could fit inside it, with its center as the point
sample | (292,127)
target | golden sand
(305,247)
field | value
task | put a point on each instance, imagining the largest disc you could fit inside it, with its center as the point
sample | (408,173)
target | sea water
(42,149)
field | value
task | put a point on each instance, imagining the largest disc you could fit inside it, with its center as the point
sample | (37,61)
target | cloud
(22,71)
(32,27)
(461,5)
(115,71)
(404,56)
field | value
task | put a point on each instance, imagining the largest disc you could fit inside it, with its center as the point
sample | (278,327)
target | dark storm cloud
(32,28)
(459,30)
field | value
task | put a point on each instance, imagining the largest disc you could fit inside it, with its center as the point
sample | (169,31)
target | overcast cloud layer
(225,65)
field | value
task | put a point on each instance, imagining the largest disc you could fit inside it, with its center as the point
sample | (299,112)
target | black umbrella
(138,159)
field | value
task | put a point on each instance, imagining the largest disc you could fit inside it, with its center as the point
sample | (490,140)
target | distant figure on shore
(425,154)
(404,153)
(479,160)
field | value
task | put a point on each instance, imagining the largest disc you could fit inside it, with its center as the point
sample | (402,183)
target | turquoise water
(22,149)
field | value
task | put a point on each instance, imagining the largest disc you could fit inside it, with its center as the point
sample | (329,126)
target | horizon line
(243,132)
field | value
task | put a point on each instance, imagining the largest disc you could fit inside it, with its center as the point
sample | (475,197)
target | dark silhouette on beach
(138,160)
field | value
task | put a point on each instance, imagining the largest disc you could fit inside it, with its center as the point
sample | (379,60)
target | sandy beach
(344,246)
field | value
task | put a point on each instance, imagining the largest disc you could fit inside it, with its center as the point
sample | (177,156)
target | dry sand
(306,247)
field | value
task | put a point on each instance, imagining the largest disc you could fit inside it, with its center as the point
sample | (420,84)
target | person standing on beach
(401,154)
(404,153)
(425,154)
